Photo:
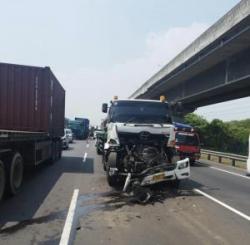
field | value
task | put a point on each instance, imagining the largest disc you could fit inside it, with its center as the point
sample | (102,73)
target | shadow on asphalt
(70,148)
(37,185)
(199,164)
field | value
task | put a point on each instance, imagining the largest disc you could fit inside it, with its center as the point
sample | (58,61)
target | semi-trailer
(32,104)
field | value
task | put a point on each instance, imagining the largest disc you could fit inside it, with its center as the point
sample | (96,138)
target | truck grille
(143,137)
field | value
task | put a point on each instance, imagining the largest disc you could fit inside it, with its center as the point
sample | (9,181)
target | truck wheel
(15,174)
(112,179)
(2,180)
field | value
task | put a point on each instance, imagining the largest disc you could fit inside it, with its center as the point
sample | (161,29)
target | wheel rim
(17,173)
(2,179)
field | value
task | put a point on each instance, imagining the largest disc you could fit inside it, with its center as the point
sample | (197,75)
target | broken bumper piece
(181,171)
(178,171)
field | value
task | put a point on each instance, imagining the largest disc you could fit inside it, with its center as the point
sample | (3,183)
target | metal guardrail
(221,155)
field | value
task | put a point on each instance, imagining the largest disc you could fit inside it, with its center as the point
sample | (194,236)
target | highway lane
(37,214)
(105,216)
(231,189)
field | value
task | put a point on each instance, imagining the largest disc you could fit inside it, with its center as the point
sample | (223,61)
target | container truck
(85,126)
(79,127)
(32,103)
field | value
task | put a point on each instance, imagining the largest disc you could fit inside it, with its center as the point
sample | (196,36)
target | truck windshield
(186,139)
(139,112)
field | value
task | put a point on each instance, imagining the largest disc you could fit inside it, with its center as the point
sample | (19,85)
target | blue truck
(79,127)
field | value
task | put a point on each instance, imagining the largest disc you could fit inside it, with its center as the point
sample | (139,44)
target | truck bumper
(161,173)
(182,171)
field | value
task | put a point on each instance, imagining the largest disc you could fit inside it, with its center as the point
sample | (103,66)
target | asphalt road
(105,216)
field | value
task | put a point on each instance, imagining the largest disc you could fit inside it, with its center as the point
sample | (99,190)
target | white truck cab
(140,144)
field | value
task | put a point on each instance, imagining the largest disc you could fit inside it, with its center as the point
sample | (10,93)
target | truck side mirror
(176,107)
(104,107)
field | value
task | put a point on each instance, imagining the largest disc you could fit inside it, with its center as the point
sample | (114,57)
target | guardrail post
(208,156)
(219,159)
(233,162)
(248,160)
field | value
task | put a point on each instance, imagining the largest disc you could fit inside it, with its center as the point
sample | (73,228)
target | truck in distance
(79,127)
(187,142)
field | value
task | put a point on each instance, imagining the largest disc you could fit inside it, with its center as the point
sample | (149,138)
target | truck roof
(140,100)
(182,125)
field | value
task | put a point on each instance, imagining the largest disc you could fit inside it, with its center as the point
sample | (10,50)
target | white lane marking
(85,157)
(223,170)
(87,145)
(229,172)
(223,204)
(67,234)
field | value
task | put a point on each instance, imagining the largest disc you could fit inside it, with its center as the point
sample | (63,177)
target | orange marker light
(162,98)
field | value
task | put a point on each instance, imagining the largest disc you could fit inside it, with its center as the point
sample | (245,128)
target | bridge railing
(222,155)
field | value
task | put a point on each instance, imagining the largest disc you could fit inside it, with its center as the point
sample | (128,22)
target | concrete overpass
(214,68)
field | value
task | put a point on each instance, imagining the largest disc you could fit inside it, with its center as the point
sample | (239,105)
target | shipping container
(31,99)
(32,103)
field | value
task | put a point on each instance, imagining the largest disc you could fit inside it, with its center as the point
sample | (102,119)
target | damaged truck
(140,147)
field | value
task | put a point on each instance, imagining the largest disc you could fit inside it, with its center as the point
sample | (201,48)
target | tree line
(222,136)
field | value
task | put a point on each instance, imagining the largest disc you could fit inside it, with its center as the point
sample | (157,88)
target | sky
(101,48)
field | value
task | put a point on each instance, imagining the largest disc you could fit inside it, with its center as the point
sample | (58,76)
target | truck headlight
(183,164)
(112,142)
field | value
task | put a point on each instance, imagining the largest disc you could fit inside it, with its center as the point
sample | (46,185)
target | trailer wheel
(15,174)
(2,180)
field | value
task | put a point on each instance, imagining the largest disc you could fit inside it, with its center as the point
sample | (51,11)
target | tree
(222,136)
(200,124)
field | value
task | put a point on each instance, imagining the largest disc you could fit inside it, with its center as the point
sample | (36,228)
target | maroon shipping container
(31,99)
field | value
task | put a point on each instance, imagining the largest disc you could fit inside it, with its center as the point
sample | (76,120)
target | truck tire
(2,180)
(112,179)
(15,175)
(111,163)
